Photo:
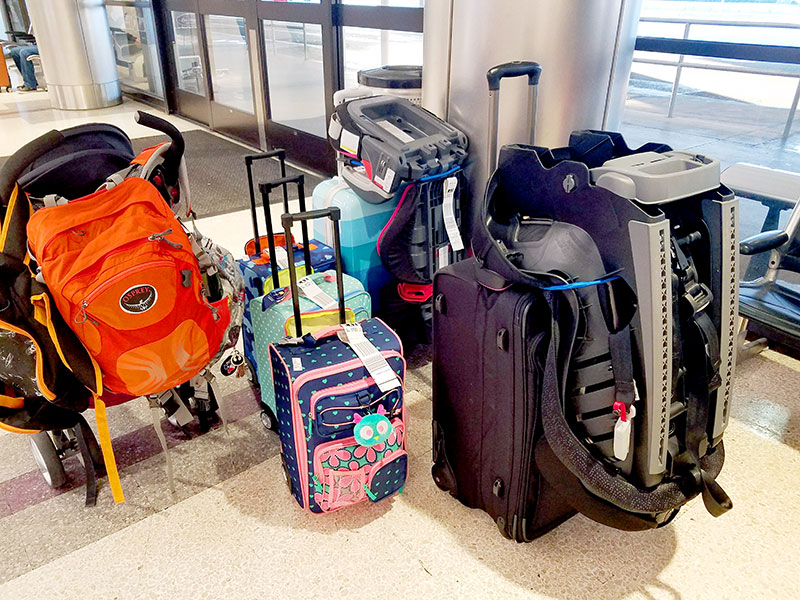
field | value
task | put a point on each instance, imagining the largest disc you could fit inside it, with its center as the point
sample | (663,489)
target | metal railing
(721,50)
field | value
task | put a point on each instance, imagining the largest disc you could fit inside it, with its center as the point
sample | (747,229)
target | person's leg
(26,67)
(13,52)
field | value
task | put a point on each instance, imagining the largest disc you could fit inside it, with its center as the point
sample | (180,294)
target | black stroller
(47,376)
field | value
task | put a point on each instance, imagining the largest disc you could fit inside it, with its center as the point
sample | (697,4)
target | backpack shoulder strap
(108,450)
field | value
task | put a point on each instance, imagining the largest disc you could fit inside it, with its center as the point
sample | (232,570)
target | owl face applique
(372,429)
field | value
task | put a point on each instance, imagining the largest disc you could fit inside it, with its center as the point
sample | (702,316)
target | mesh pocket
(344,488)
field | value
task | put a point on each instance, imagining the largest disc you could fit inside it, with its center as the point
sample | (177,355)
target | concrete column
(77,53)
(585,48)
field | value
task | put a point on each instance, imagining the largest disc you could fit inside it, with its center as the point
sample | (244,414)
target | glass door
(232,41)
(300,58)
(190,72)
(214,43)
(265,71)
(137,53)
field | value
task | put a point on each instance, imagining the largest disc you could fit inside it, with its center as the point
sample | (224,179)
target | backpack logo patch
(138,299)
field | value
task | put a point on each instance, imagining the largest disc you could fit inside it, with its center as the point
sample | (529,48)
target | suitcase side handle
(266,189)
(517,68)
(280,154)
(288,219)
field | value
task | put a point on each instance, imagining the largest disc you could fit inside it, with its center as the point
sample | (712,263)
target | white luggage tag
(310,289)
(349,142)
(622,430)
(448,210)
(385,182)
(385,378)
(281,257)
(442,257)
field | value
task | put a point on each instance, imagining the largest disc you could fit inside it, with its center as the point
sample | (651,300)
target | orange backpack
(123,275)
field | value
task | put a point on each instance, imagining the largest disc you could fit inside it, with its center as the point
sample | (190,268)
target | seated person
(20,55)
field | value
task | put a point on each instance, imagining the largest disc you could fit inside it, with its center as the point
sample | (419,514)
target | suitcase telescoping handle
(266,190)
(288,219)
(280,154)
(517,68)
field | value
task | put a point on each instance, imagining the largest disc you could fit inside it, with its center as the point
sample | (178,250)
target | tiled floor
(232,530)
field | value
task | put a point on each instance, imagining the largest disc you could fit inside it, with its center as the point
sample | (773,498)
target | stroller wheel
(47,459)
(268,420)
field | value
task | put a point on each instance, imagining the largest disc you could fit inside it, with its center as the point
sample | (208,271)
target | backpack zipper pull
(85,316)
(211,307)
(160,237)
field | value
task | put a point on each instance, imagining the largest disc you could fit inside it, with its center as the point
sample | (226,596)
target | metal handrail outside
(680,64)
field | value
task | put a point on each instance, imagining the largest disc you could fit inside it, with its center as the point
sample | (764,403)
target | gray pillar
(77,53)
(585,48)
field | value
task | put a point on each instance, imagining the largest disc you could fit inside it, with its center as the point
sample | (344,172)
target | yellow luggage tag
(283,277)
(318,319)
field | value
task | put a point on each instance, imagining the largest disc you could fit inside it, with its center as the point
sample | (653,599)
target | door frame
(227,119)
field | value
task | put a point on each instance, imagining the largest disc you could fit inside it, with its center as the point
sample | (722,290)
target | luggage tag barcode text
(313,292)
(450,224)
(385,378)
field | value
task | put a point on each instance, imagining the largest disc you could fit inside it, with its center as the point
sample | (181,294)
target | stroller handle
(173,156)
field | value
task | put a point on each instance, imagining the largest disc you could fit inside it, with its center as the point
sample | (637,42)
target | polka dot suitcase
(340,404)
(272,314)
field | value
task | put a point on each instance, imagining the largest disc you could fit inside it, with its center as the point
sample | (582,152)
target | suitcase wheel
(501,525)
(442,479)
(251,374)
(47,459)
(286,474)
(268,420)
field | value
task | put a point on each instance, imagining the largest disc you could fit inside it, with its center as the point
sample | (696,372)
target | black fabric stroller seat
(81,163)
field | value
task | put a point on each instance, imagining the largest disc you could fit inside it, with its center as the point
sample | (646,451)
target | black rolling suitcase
(484,418)
(538,366)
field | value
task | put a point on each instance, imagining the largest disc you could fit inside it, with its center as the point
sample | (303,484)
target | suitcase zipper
(304,378)
(158,238)
(348,442)
(76,226)
(533,376)
(517,520)
(355,386)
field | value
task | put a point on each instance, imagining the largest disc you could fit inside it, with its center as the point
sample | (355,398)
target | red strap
(415,292)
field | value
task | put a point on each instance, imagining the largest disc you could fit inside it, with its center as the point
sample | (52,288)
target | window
(369,48)
(229,62)
(295,75)
(135,48)
(187,53)
(400,3)
(733,110)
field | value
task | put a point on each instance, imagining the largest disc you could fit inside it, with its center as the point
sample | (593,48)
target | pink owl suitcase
(340,405)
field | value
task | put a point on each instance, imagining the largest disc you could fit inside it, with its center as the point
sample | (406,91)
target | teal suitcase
(361,224)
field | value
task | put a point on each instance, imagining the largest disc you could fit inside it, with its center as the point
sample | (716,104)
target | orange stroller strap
(108,450)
